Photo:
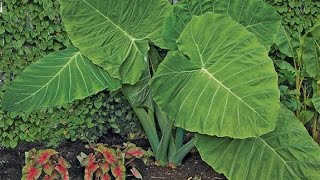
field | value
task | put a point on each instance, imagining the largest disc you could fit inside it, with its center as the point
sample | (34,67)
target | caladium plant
(106,161)
(47,161)
(216,80)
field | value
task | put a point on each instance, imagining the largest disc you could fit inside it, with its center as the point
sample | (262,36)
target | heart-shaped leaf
(286,153)
(43,156)
(256,16)
(228,85)
(55,79)
(115,34)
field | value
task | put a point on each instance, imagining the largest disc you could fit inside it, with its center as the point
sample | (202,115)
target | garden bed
(12,161)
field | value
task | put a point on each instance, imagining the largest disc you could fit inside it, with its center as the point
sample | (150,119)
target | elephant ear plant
(216,80)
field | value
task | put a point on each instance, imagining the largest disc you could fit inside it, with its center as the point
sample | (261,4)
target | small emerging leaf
(82,159)
(136,173)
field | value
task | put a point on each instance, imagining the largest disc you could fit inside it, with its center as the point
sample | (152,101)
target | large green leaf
(311,56)
(140,94)
(316,102)
(115,34)
(55,79)
(287,44)
(255,15)
(228,85)
(311,51)
(286,153)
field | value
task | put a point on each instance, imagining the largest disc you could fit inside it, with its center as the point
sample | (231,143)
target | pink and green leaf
(105,167)
(91,167)
(43,156)
(118,171)
(62,168)
(30,172)
(109,154)
(134,152)
(105,177)
(47,177)
(48,168)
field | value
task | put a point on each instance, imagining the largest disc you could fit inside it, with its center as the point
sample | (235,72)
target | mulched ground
(193,168)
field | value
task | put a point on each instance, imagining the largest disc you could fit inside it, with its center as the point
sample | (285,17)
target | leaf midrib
(53,77)
(292,171)
(108,19)
(240,99)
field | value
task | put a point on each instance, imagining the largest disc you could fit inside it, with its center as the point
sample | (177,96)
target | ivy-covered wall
(297,15)
(29,30)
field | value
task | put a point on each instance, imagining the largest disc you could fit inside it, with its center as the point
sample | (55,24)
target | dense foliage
(297,86)
(206,84)
(28,31)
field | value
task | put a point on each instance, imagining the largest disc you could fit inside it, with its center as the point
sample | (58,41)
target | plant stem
(162,152)
(179,137)
(148,127)
(314,127)
(163,123)
(148,124)
(161,118)
(298,84)
(182,152)
(152,118)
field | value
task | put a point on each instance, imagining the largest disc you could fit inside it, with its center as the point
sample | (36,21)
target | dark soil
(193,168)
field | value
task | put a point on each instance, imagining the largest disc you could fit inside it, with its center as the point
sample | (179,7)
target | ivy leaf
(288,152)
